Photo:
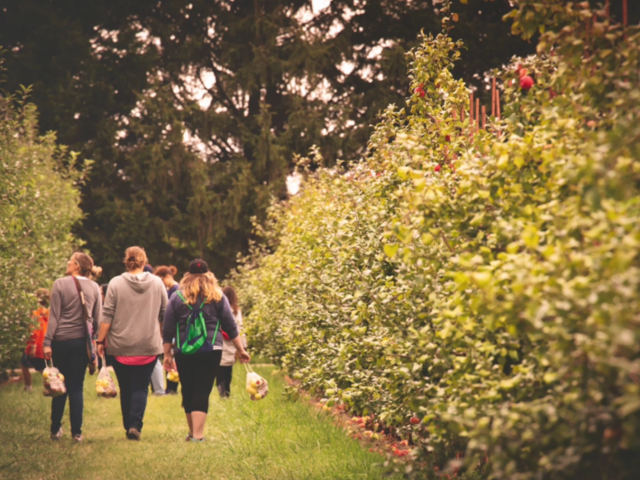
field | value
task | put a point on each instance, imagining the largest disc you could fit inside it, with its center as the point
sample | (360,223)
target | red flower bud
(438,168)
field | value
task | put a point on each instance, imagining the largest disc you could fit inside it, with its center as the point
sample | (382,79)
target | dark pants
(134,389)
(171,386)
(223,380)
(33,362)
(70,357)
(197,374)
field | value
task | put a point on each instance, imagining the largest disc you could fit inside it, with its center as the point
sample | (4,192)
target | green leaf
(390,249)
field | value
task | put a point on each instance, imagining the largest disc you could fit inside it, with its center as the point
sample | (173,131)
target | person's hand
(32,351)
(168,363)
(100,350)
(243,356)
(46,351)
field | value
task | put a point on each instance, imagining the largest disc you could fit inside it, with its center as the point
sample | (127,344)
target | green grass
(274,438)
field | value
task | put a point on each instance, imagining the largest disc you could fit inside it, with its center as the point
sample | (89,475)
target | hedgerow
(486,283)
(39,199)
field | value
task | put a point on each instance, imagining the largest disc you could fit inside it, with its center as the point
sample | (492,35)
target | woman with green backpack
(195,316)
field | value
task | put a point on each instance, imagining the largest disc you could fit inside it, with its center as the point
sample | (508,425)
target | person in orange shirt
(33,356)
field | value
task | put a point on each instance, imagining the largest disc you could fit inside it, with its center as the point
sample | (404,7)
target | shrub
(38,207)
(486,283)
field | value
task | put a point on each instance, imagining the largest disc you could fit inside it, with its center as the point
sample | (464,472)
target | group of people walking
(194,324)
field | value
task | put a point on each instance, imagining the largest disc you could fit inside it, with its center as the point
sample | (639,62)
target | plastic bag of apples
(105,386)
(257,386)
(53,381)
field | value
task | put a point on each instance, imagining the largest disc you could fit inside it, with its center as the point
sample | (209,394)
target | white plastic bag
(53,381)
(105,386)
(257,386)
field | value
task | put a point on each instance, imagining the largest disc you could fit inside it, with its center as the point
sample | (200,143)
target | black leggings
(197,373)
(225,376)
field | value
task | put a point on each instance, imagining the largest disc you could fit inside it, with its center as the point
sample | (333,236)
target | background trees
(247,84)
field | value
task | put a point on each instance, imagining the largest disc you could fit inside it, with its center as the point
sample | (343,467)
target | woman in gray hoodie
(131,333)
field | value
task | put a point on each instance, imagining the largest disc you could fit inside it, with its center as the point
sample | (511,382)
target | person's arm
(102,334)
(169,322)
(241,353)
(230,326)
(110,302)
(168,362)
(54,315)
(106,319)
(163,305)
(97,309)
(168,331)
(240,322)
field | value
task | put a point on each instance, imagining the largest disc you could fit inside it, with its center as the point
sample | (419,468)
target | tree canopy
(193,110)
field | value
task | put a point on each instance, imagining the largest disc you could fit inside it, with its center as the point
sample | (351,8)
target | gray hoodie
(134,307)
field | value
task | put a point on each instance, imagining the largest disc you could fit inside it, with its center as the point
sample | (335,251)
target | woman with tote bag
(75,301)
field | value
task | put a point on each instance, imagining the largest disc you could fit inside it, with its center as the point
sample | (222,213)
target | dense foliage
(486,284)
(248,83)
(38,207)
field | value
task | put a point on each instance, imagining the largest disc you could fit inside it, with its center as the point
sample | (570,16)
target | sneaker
(196,440)
(188,439)
(78,438)
(133,434)
(159,393)
(28,388)
(57,436)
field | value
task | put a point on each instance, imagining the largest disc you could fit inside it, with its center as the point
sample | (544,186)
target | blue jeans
(70,357)
(134,389)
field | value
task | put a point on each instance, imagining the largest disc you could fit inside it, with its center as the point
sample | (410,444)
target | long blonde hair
(204,284)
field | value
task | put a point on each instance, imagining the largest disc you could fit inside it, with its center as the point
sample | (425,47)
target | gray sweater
(66,320)
(134,307)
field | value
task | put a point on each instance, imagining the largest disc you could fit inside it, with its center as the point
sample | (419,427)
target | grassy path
(271,439)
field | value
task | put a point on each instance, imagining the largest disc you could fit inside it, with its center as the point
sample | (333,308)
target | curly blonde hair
(193,285)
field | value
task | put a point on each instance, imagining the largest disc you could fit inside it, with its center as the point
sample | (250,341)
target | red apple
(414,421)
(522,72)
(526,82)
(438,168)
(448,138)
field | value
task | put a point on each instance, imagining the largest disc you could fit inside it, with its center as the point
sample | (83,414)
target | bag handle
(85,312)
(46,362)
(248,368)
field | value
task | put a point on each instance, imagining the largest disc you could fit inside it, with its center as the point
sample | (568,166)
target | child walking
(33,356)
(225,371)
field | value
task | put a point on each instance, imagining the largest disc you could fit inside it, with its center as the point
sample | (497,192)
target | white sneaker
(28,388)
(57,436)
(78,438)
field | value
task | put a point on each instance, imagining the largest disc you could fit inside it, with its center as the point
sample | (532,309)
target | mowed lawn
(274,438)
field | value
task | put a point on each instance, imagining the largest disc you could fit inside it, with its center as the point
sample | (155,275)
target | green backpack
(196,341)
